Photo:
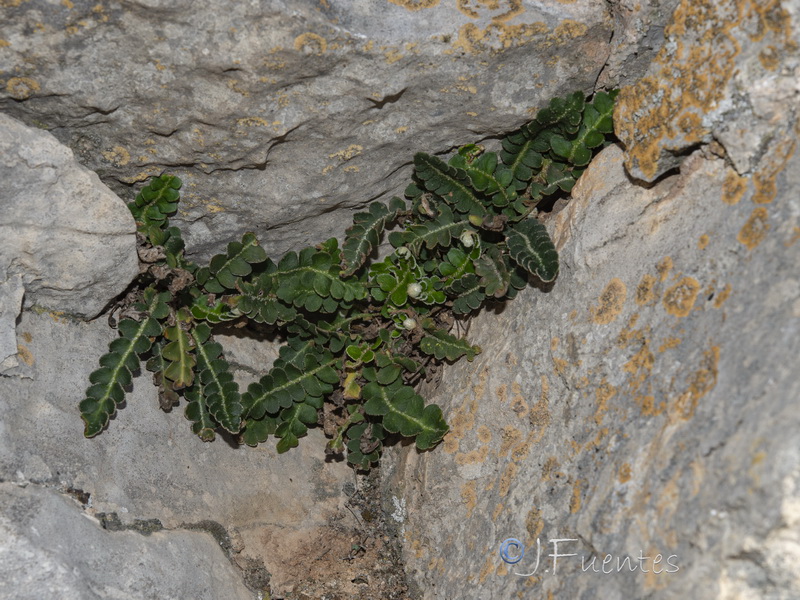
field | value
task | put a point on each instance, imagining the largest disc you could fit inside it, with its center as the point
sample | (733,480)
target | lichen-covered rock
(48,549)
(729,72)
(281,117)
(65,234)
(646,404)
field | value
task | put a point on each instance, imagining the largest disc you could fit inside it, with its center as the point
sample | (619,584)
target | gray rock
(148,465)
(647,403)
(282,117)
(68,236)
(50,550)
(725,74)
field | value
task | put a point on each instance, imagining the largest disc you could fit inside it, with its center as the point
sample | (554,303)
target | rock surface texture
(645,410)
(66,241)
(645,405)
(280,116)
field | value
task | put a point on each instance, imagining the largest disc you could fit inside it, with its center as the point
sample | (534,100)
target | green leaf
(530,246)
(286,384)
(450,183)
(218,313)
(493,271)
(365,233)
(203,424)
(430,234)
(293,424)
(487,178)
(224,269)
(221,392)
(468,294)
(442,345)
(404,412)
(155,201)
(108,382)
(178,352)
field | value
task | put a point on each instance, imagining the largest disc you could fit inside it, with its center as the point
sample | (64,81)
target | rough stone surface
(283,116)
(730,72)
(149,465)
(68,236)
(651,408)
(51,550)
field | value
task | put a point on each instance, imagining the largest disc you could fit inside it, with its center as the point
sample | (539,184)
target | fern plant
(360,333)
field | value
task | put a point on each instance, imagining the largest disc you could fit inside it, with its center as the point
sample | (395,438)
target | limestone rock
(149,466)
(50,550)
(728,72)
(68,237)
(282,117)
(646,404)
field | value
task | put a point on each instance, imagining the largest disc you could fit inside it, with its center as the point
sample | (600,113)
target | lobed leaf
(108,382)
(530,246)
(221,392)
(443,345)
(364,235)
(404,412)
(450,183)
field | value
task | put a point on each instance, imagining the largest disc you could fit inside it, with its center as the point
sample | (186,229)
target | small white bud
(409,323)
(414,290)
(468,238)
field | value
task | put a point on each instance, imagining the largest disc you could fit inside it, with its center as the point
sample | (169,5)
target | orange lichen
(549,468)
(310,43)
(510,436)
(506,479)
(733,188)
(575,502)
(469,496)
(645,291)
(22,88)
(611,302)
(534,523)
(25,355)
(624,474)
(765,179)
(703,242)
(669,344)
(415,4)
(755,229)
(679,299)
(690,76)
(700,383)
(720,299)
(605,391)
(473,457)
(663,267)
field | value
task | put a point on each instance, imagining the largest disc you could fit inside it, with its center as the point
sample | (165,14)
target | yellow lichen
(645,291)
(755,229)
(679,299)
(310,43)
(415,4)
(610,303)
(22,88)
(469,496)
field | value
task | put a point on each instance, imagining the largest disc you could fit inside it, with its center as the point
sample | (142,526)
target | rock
(282,120)
(728,72)
(50,550)
(647,403)
(68,237)
(149,467)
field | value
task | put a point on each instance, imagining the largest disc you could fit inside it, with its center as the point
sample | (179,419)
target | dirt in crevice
(356,557)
